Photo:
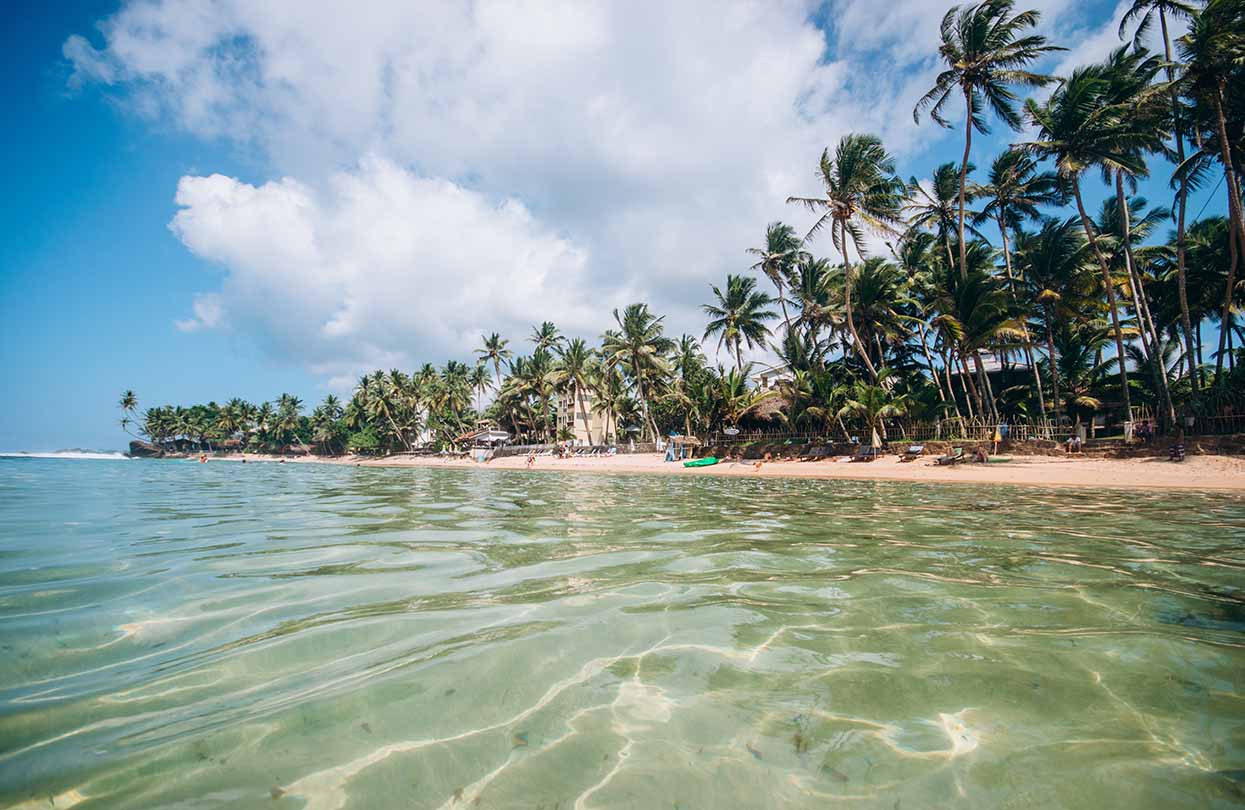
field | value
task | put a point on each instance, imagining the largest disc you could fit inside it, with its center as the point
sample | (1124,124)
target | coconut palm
(872,402)
(861,192)
(985,52)
(494,351)
(639,347)
(575,365)
(1082,126)
(739,316)
(546,337)
(777,260)
(934,209)
(1213,52)
(1146,11)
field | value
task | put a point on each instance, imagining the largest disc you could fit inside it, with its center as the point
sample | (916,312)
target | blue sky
(217,200)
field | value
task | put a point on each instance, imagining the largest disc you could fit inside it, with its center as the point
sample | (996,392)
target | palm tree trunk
(946,370)
(1182,197)
(971,386)
(968,143)
(1024,327)
(847,306)
(1227,303)
(930,360)
(1054,371)
(739,357)
(583,410)
(1150,340)
(1111,304)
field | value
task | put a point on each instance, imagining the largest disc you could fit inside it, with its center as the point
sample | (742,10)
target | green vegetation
(1003,298)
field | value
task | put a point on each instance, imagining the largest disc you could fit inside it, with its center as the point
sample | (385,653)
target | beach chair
(865,453)
(913,452)
(1176,453)
(956,456)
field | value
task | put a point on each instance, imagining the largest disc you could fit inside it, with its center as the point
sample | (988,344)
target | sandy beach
(1197,472)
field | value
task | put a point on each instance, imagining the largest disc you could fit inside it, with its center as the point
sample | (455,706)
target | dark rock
(141,449)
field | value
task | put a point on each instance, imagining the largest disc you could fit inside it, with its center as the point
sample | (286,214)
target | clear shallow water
(180,635)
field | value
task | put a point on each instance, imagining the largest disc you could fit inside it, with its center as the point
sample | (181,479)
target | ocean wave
(78,454)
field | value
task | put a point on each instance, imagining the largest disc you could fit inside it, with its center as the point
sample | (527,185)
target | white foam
(73,454)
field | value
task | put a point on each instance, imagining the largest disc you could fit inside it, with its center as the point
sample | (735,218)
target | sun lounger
(867,453)
(956,456)
(914,451)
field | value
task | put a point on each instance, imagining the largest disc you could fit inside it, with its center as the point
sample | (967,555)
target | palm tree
(777,258)
(479,379)
(639,347)
(935,209)
(739,316)
(574,368)
(1014,193)
(860,189)
(1054,265)
(129,407)
(984,52)
(1176,9)
(1213,50)
(1080,126)
(494,351)
(546,337)
(872,402)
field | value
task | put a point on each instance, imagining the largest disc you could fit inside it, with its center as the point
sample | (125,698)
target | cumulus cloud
(451,168)
(380,267)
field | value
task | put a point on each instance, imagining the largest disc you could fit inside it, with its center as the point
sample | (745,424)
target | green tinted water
(203,636)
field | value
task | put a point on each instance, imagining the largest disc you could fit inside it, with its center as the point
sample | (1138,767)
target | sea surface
(178,635)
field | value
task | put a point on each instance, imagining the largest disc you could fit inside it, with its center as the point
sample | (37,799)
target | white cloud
(539,159)
(208,314)
(379,268)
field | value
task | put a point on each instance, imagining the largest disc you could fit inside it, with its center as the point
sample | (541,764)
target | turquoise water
(269,636)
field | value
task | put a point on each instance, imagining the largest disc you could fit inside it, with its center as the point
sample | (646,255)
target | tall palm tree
(494,351)
(739,316)
(479,379)
(777,259)
(1013,194)
(1081,126)
(985,52)
(1146,10)
(1213,51)
(861,192)
(639,346)
(574,368)
(1054,264)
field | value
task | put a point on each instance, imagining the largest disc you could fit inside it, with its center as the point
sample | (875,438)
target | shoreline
(1219,473)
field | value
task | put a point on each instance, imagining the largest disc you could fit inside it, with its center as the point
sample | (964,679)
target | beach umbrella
(877,440)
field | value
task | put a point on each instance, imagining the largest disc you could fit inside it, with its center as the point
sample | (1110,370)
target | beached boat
(707,461)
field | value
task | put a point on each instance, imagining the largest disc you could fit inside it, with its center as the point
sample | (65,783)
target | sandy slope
(1196,472)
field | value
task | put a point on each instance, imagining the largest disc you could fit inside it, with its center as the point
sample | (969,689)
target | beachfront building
(769,377)
(571,416)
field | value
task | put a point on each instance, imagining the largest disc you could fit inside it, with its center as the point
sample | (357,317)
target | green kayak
(707,461)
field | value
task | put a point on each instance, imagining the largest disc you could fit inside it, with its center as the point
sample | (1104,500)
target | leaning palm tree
(985,53)
(777,259)
(494,351)
(1080,126)
(739,316)
(861,192)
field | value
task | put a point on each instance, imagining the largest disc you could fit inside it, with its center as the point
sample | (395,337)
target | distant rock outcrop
(141,449)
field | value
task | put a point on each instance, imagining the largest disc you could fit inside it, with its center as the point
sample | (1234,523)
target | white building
(571,415)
